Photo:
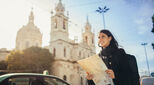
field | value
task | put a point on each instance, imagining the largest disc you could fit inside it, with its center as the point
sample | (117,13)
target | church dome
(29,35)
(29,31)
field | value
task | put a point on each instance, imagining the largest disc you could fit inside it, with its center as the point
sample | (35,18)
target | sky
(129,21)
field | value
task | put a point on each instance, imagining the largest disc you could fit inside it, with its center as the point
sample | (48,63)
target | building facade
(66,52)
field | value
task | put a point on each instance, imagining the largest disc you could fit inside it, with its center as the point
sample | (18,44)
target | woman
(114,58)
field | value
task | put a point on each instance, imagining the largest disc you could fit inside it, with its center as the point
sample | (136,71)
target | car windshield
(3,77)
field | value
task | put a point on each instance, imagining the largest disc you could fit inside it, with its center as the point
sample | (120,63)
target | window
(86,38)
(64,24)
(64,52)
(92,41)
(54,52)
(55,24)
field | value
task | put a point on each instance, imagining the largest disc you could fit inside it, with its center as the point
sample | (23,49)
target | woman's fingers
(89,76)
(87,73)
(110,73)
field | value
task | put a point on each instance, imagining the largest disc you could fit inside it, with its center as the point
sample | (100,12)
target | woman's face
(104,40)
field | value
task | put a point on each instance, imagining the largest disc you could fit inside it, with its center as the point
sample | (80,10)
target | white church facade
(66,51)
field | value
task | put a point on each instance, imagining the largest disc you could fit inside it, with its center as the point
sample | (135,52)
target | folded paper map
(95,66)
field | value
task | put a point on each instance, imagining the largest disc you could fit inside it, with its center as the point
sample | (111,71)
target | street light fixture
(102,10)
(144,44)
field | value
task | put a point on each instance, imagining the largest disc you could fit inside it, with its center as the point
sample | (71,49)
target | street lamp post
(102,10)
(144,45)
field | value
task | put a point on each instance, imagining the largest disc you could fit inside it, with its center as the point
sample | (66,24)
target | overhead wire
(84,4)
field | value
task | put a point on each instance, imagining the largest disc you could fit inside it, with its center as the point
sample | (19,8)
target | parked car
(147,81)
(30,79)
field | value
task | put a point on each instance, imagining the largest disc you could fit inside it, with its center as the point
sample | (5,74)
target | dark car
(147,81)
(30,79)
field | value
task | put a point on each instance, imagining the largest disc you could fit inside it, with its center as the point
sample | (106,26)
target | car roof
(5,76)
(12,74)
(146,77)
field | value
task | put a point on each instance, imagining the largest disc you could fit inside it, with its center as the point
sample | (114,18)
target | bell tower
(59,24)
(88,36)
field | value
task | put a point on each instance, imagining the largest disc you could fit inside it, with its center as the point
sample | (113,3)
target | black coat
(120,67)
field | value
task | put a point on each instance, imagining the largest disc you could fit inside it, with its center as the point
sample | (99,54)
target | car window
(18,81)
(53,81)
(148,81)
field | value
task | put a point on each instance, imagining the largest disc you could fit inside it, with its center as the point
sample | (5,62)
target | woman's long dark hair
(113,42)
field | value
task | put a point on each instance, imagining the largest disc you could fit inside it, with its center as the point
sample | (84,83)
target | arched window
(64,77)
(92,40)
(54,52)
(55,24)
(86,38)
(64,52)
(64,24)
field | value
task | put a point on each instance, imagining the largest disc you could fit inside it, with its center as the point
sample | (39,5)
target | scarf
(106,55)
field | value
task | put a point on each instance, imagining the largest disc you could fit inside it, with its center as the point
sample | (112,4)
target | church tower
(59,24)
(65,51)
(29,35)
(88,36)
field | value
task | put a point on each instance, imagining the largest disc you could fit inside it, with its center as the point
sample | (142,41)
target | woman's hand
(110,73)
(89,76)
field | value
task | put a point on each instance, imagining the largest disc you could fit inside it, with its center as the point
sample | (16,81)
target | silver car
(147,81)
(30,79)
